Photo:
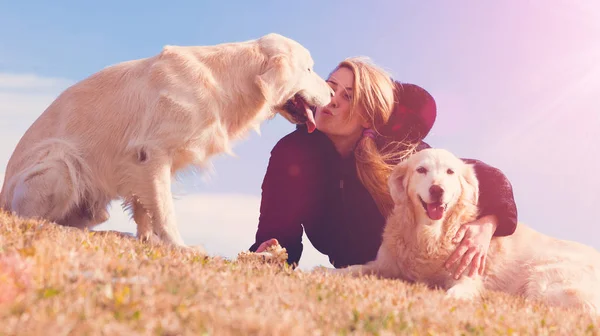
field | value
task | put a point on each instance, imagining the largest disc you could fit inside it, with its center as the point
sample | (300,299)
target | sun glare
(564,115)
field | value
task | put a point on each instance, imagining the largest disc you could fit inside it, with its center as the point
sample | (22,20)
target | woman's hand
(266,244)
(474,238)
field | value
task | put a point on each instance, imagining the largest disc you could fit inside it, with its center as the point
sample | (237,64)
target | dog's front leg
(383,266)
(143,220)
(153,208)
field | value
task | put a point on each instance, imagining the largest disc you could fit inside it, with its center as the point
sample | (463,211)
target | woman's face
(332,119)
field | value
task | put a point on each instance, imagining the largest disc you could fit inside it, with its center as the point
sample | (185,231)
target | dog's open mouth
(301,112)
(435,210)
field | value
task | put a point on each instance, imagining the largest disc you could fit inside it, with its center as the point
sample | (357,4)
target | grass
(61,281)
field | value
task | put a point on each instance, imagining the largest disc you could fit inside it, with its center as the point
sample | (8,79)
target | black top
(308,184)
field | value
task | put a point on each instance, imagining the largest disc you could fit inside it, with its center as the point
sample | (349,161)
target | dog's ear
(271,81)
(397,182)
(470,183)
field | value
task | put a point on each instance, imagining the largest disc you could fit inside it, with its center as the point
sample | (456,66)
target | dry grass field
(61,281)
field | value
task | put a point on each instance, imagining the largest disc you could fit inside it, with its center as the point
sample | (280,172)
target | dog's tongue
(310,122)
(435,211)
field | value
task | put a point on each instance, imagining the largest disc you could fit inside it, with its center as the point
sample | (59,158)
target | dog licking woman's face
(288,80)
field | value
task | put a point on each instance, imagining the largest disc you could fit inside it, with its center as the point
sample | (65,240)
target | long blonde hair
(374,93)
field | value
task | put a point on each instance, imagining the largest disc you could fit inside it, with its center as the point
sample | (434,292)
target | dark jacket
(309,186)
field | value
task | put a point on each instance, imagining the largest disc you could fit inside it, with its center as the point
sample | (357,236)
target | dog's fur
(527,263)
(125,131)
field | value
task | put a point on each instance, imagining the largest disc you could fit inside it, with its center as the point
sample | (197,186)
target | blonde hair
(374,93)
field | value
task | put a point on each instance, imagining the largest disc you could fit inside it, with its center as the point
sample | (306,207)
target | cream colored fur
(126,130)
(526,263)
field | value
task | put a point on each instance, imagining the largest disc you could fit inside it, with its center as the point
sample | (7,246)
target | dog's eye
(309,70)
(450,171)
(422,170)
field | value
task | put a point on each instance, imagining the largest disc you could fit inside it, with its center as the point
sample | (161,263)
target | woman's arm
(497,217)
(289,195)
(495,197)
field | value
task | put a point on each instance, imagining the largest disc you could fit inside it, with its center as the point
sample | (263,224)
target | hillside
(60,281)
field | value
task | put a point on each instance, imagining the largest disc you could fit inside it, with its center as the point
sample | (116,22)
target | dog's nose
(436,191)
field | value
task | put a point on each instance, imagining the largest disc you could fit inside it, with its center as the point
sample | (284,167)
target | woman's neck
(344,145)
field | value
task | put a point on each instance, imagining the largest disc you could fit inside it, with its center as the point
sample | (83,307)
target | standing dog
(125,131)
(435,192)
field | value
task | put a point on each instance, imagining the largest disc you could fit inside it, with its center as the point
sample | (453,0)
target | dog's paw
(459,292)
(149,238)
(198,249)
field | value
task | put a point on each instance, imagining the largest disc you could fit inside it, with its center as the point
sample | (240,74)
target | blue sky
(516,85)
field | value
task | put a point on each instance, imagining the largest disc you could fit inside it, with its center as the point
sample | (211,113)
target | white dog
(126,130)
(435,192)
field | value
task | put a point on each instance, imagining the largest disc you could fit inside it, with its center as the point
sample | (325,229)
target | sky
(516,85)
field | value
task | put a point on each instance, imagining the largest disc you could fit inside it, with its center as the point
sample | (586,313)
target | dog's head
(433,182)
(288,80)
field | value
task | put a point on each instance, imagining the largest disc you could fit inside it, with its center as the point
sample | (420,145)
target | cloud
(32,82)
(224,224)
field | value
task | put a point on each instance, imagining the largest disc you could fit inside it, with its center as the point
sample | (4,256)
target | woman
(333,182)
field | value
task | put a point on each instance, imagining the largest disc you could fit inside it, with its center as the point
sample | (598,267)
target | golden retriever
(434,193)
(126,130)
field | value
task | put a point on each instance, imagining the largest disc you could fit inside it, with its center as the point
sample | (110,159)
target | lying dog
(435,192)
(126,130)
